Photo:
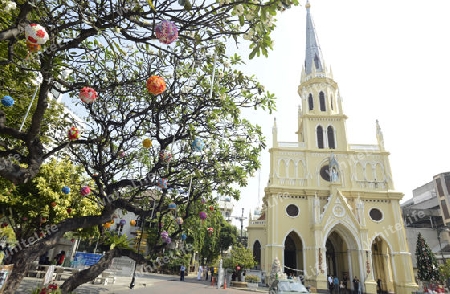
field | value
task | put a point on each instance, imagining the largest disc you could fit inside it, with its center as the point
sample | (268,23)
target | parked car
(287,286)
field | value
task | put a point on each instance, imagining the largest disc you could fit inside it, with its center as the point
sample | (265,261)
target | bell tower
(321,121)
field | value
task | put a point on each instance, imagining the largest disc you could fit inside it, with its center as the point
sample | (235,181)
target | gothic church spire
(313,55)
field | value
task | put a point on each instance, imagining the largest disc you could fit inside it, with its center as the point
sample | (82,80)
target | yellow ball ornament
(147,143)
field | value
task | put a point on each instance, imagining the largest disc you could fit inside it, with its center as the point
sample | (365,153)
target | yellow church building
(330,207)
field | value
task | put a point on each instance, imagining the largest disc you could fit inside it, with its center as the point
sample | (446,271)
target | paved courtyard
(156,283)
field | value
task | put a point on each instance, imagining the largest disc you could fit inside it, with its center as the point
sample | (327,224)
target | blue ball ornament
(7,101)
(183,237)
(65,190)
(198,144)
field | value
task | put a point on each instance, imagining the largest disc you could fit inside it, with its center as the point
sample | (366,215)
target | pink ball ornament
(88,95)
(164,235)
(85,191)
(203,200)
(36,34)
(122,154)
(166,32)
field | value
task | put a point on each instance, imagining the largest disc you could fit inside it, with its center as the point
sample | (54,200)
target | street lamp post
(241,219)
(439,231)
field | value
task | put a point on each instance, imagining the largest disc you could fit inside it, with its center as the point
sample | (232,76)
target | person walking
(336,284)
(330,284)
(200,273)
(356,285)
(182,269)
(206,272)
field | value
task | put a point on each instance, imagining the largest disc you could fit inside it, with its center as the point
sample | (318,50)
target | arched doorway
(293,255)
(381,264)
(341,256)
(257,254)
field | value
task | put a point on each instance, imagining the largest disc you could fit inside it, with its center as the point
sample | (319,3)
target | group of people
(200,272)
(340,287)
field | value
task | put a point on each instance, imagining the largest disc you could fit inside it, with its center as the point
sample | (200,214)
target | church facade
(330,207)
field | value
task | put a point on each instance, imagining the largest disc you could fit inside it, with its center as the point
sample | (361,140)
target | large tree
(111,47)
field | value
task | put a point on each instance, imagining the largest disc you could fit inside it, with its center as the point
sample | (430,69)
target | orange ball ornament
(132,222)
(156,85)
(53,204)
(33,47)
(107,225)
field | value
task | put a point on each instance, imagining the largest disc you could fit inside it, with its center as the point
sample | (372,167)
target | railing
(291,144)
(363,147)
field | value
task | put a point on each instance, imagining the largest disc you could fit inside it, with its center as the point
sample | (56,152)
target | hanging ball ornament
(168,240)
(166,32)
(203,200)
(33,47)
(183,237)
(7,101)
(73,133)
(88,95)
(147,143)
(203,215)
(179,220)
(65,190)
(172,206)
(122,154)
(156,85)
(132,222)
(210,231)
(85,191)
(211,208)
(164,235)
(162,183)
(198,144)
(107,225)
(36,34)
(165,156)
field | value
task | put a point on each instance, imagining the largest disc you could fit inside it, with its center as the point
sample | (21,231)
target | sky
(391,60)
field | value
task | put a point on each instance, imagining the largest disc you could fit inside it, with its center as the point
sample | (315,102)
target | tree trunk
(21,262)
(89,274)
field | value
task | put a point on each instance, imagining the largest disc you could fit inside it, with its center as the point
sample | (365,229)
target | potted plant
(252,281)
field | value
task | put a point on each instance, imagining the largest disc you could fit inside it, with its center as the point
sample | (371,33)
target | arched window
(322,101)
(331,102)
(331,142)
(310,102)
(320,137)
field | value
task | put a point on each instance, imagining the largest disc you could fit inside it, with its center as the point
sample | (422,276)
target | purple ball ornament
(7,101)
(168,240)
(166,32)
(122,222)
(203,215)
(164,235)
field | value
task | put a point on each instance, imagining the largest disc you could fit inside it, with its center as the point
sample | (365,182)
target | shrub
(251,279)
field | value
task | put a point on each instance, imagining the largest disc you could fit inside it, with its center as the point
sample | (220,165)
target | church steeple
(313,57)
